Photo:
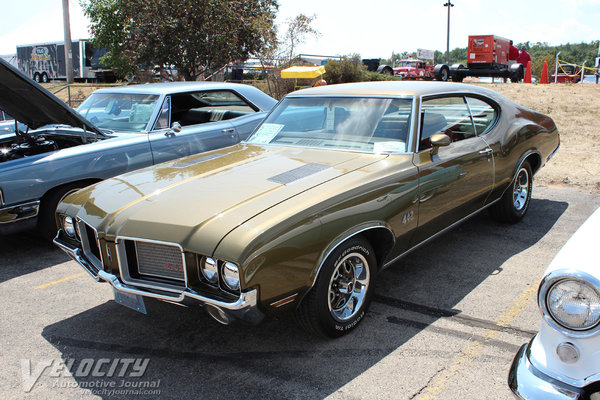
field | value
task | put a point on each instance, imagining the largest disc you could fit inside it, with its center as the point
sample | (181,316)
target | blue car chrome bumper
(527,382)
(19,218)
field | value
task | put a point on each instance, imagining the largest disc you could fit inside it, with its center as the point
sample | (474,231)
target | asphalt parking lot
(445,323)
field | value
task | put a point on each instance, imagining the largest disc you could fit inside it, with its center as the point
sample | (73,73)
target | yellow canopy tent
(303,72)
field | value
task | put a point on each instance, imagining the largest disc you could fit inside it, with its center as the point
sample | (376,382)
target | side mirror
(438,140)
(175,128)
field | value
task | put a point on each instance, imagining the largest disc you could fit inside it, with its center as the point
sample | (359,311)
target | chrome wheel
(348,286)
(521,189)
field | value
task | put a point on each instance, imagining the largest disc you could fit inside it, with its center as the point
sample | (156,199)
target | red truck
(413,68)
(567,73)
(487,55)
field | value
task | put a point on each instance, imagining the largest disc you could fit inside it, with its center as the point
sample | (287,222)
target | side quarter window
(163,119)
(447,115)
(484,115)
(208,106)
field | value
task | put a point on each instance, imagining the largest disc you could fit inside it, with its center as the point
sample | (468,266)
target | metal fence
(74,94)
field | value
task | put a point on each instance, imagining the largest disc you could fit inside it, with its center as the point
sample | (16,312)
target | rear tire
(342,293)
(46,219)
(443,74)
(513,205)
(387,71)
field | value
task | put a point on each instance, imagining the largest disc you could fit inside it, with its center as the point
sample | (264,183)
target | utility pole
(68,53)
(449,5)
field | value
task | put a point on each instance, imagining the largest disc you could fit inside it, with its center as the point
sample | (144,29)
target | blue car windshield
(362,124)
(119,111)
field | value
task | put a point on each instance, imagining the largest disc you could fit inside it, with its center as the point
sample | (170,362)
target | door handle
(228,131)
(486,151)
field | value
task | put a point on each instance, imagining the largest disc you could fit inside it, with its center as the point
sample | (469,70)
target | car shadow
(190,355)
(26,252)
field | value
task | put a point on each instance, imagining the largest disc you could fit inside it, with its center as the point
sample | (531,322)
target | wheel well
(83,182)
(535,161)
(382,241)
(383,69)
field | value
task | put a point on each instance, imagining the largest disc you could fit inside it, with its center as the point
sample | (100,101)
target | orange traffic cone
(544,77)
(528,73)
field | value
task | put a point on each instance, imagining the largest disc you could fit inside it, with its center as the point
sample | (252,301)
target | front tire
(513,205)
(342,294)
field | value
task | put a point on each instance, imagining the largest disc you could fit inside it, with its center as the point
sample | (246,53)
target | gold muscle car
(337,183)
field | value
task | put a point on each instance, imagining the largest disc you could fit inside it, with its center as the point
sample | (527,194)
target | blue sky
(369,28)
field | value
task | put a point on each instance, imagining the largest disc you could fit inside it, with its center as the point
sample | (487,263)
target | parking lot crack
(424,387)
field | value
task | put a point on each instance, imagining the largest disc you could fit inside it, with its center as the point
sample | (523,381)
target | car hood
(29,103)
(578,254)
(208,195)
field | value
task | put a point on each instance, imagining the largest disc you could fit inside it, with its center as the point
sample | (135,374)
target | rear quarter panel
(520,133)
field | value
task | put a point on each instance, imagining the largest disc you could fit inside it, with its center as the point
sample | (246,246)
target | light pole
(449,5)
(68,52)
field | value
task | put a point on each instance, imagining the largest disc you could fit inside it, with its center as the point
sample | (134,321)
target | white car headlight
(69,226)
(574,304)
(231,276)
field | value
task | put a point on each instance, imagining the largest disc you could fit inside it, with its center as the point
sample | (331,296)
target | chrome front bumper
(245,308)
(19,218)
(527,382)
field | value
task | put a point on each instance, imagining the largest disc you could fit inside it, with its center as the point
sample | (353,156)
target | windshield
(118,111)
(407,63)
(364,124)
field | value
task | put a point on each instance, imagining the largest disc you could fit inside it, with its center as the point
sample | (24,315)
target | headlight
(574,304)
(231,276)
(209,269)
(69,226)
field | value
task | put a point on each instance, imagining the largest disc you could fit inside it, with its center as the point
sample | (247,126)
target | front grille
(92,241)
(159,260)
(89,244)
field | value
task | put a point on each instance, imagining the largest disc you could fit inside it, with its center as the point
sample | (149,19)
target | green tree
(537,65)
(279,52)
(348,69)
(193,36)
(298,29)
(109,29)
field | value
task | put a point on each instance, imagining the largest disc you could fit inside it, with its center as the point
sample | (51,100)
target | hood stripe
(296,174)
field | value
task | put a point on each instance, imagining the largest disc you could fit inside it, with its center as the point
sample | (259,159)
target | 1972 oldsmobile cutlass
(562,362)
(116,130)
(337,183)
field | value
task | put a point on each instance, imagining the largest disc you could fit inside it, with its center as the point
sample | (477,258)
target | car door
(457,180)
(202,129)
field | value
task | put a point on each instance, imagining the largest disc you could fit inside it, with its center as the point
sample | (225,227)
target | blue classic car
(115,130)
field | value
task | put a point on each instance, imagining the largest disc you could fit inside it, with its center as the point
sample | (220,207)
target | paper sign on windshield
(266,133)
(389,147)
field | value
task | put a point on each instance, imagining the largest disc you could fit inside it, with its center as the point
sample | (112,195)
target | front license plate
(133,301)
